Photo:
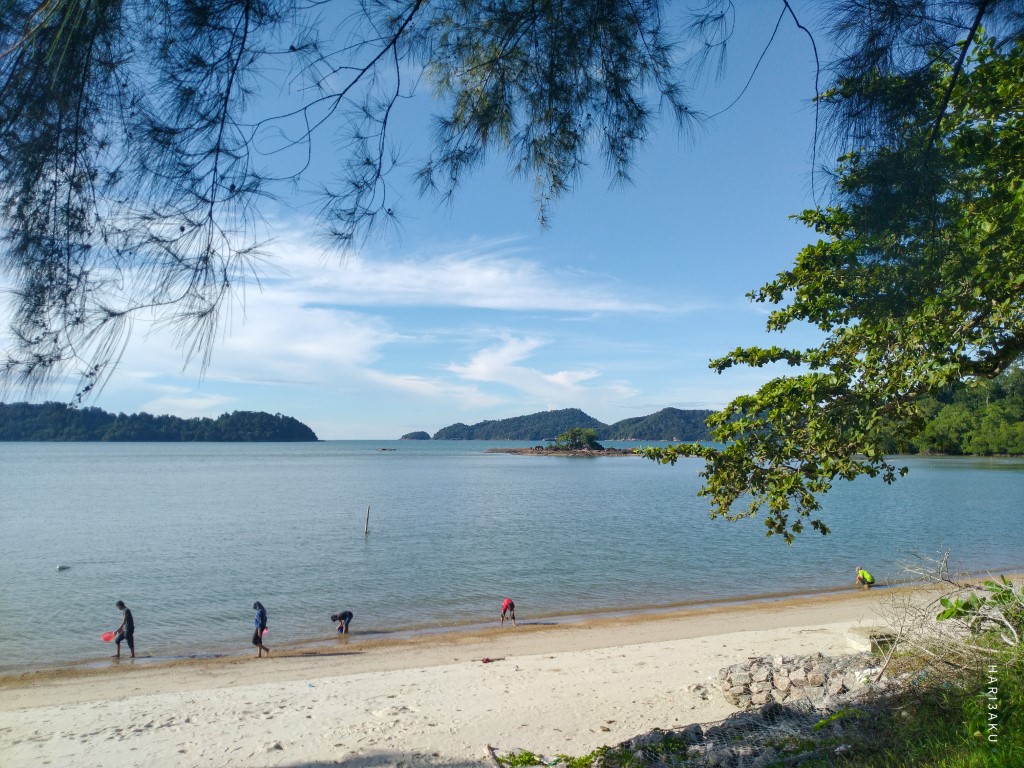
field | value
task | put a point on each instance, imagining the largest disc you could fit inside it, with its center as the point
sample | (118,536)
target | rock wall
(818,681)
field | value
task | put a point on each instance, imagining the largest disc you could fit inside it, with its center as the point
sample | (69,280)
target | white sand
(567,688)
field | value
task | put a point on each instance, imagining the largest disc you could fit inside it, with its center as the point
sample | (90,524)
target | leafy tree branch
(916,285)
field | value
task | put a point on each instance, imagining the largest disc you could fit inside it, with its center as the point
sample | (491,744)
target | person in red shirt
(510,608)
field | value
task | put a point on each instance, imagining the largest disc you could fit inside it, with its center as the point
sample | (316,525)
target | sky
(473,312)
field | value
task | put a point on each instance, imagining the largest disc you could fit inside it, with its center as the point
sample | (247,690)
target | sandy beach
(430,700)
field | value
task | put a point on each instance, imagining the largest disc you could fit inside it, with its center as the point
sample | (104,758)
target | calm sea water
(189,535)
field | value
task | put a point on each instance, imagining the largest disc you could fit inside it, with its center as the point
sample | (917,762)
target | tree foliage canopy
(138,137)
(578,439)
(917,283)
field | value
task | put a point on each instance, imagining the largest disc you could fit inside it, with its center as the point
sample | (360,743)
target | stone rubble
(821,682)
(781,698)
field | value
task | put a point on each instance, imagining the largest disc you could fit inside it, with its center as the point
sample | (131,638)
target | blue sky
(473,312)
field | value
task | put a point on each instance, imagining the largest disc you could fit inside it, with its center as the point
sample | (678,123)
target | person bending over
(509,608)
(343,620)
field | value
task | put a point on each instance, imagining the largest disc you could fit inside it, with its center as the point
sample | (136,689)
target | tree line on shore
(981,417)
(61,422)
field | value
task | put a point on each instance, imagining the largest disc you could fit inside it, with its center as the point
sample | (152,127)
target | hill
(416,436)
(61,422)
(536,426)
(666,424)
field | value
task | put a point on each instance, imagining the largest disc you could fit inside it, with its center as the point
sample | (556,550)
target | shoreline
(427,700)
(684,620)
(387,637)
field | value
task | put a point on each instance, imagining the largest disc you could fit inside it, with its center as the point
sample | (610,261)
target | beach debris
(492,756)
(486,660)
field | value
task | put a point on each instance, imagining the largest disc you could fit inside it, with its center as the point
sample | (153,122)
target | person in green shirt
(864,579)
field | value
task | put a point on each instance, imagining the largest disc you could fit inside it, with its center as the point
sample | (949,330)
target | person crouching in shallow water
(126,631)
(508,607)
(343,620)
(261,626)
(864,579)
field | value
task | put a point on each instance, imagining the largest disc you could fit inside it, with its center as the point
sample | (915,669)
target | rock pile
(818,681)
(787,705)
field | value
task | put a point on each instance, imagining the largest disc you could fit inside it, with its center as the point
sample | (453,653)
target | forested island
(61,422)
(981,417)
(667,424)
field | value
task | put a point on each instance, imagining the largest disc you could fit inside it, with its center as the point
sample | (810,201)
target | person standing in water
(343,620)
(508,607)
(261,626)
(126,631)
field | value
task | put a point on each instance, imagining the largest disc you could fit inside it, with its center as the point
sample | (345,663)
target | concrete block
(873,639)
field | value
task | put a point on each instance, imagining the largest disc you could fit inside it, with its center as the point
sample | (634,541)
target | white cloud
(498,364)
(466,396)
(486,276)
(295,331)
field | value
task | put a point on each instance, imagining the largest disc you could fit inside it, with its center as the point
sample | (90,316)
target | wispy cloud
(499,364)
(494,275)
(433,388)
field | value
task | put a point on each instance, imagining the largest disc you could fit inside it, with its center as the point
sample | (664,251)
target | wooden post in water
(366,527)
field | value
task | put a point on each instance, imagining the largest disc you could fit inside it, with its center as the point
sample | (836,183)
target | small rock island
(576,442)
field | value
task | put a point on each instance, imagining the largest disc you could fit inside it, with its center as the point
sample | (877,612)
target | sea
(189,535)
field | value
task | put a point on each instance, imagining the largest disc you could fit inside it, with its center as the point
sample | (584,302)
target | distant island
(973,418)
(61,422)
(416,436)
(670,424)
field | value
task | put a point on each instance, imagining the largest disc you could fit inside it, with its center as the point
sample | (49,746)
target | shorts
(129,637)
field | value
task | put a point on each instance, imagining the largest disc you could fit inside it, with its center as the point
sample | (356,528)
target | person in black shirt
(343,620)
(126,631)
